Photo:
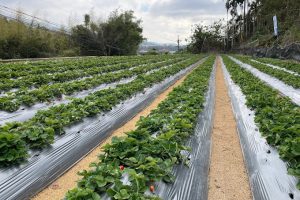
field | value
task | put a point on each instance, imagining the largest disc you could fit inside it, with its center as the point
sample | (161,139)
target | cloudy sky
(162,20)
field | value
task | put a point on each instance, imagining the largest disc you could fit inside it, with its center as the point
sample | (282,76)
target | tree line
(250,24)
(120,34)
(252,21)
(206,38)
(19,40)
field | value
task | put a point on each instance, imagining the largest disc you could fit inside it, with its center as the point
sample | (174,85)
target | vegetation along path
(58,189)
(227,176)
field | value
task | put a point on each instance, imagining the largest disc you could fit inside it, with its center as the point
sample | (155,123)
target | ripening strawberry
(122,167)
(152,188)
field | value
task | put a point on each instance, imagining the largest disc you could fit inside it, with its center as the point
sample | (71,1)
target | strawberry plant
(286,77)
(82,194)
(287,64)
(150,152)
(50,92)
(12,149)
(43,78)
(39,131)
(277,117)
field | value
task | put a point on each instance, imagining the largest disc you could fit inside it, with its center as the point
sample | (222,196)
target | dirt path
(58,189)
(228,178)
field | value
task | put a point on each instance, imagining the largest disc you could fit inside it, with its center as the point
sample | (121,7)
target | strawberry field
(39,131)
(54,113)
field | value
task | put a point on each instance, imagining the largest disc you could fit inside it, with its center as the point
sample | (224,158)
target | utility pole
(178,41)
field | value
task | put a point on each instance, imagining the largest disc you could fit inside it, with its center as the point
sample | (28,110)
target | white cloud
(162,20)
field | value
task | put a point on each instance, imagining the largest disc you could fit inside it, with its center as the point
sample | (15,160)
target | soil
(228,179)
(58,189)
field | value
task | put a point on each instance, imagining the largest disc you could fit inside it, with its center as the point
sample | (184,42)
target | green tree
(121,34)
(20,40)
(87,20)
(254,21)
(87,41)
(206,38)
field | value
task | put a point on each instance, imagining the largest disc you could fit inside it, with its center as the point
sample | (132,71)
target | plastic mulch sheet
(286,90)
(25,113)
(191,181)
(267,173)
(276,67)
(43,167)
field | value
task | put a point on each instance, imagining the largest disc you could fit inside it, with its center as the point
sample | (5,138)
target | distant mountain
(160,47)
(149,43)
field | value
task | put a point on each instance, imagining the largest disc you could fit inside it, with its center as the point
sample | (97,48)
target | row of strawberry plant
(23,72)
(148,153)
(287,64)
(277,117)
(286,77)
(19,69)
(50,92)
(37,80)
(39,131)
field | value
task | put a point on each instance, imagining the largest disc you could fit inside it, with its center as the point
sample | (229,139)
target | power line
(28,19)
(25,16)
(34,17)
(28,22)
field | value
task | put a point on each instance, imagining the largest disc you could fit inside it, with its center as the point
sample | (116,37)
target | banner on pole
(275,25)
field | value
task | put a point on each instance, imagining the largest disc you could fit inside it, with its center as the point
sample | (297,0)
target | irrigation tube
(44,167)
(267,172)
(283,88)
